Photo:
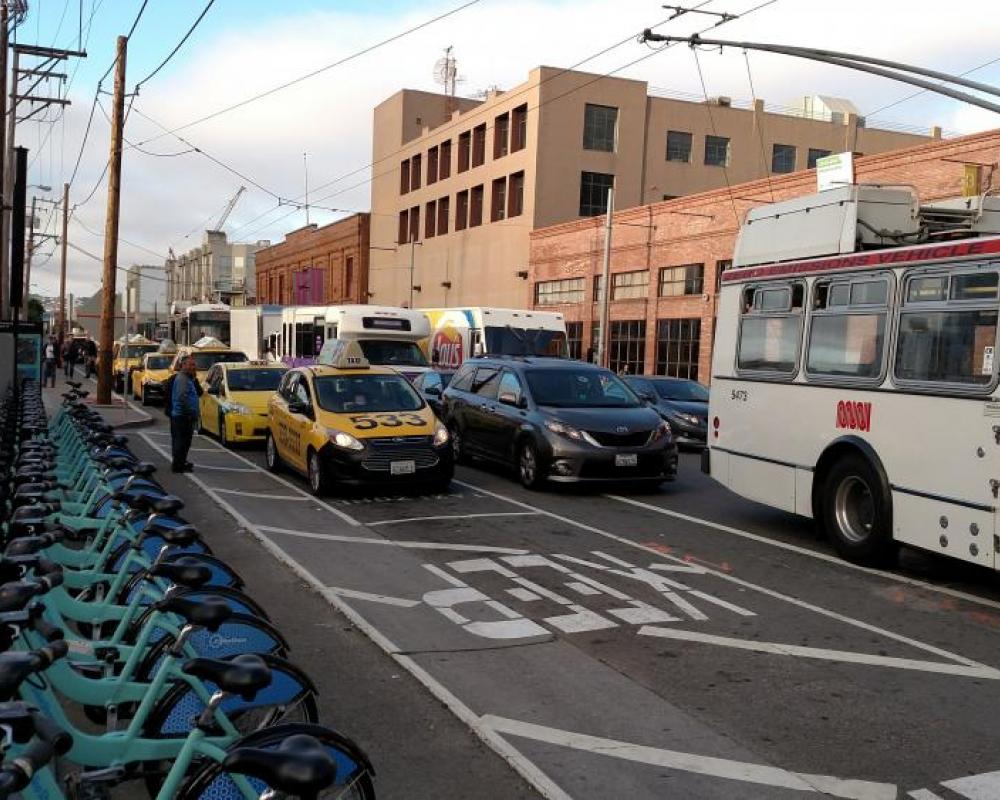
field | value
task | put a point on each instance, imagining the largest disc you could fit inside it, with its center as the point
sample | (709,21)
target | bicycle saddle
(178,535)
(187,572)
(74,384)
(15,666)
(299,766)
(208,612)
(245,674)
(16,595)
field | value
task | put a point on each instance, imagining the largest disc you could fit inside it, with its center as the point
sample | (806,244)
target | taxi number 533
(363,422)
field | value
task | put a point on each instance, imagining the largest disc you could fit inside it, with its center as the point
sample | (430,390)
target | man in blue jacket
(183,414)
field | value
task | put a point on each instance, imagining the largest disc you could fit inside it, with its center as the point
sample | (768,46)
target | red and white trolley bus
(855,373)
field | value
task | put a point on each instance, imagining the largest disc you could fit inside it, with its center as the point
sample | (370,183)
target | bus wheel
(857,514)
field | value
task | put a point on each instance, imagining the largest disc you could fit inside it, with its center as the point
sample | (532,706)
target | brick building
(317,265)
(667,257)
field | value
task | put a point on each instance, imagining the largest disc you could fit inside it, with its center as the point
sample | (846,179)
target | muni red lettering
(855,416)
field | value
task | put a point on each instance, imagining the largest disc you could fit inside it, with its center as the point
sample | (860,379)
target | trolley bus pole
(602,328)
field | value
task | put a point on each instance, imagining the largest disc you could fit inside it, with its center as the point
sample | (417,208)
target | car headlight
(570,432)
(236,408)
(441,435)
(690,419)
(663,429)
(344,440)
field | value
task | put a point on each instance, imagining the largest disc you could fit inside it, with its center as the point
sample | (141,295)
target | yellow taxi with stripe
(151,376)
(234,403)
(345,422)
(126,356)
(207,352)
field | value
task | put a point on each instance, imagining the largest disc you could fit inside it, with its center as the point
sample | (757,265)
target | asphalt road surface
(678,643)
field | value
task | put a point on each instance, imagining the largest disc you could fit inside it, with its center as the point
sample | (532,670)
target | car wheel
(528,468)
(857,513)
(223,438)
(271,457)
(318,482)
(145,397)
(457,444)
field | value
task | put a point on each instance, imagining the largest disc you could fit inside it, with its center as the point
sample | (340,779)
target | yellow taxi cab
(207,352)
(234,403)
(126,355)
(344,421)
(149,379)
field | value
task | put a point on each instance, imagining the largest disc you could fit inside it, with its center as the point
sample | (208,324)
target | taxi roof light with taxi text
(342,354)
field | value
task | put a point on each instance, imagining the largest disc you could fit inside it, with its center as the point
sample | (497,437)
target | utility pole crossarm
(895,70)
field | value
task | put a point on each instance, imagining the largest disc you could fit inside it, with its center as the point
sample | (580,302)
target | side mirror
(433,391)
(648,396)
(510,399)
(213,390)
(297,407)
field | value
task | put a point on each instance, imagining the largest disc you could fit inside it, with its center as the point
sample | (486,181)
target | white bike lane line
(494,730)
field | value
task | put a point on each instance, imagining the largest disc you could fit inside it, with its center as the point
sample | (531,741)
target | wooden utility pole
(4,273)
(603,358)
(30,252)
(64,242)
(111,228)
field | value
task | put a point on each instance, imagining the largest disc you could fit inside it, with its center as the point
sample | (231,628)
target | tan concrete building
(317,265)
(667,258)
(459,184)
(216,271)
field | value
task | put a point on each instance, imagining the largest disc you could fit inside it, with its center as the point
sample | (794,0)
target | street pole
(27,261)
(6,265)
(413,249)
(4,275)
(602,328)
(111,228)
(62,267)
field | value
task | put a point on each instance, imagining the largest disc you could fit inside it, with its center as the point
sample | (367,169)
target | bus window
(847,329)
(941,339)
(771,328)
(305,340)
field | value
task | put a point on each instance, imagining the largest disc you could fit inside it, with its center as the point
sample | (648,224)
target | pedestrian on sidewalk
(49,367)
(89,356)
(72,354)
(64,355)
(183,399)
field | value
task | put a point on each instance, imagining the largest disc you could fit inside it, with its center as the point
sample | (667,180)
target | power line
(337,63)
(924,91)
(173,52)
(137,18)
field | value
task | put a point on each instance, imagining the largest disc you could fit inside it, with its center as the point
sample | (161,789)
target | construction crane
(229,208)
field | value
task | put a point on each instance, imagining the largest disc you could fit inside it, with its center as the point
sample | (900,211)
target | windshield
(159,362)
(388,352)
(511,341)
(204,361)
(254,380)
(584,388)
(681,390)
(138,350)
(366,393)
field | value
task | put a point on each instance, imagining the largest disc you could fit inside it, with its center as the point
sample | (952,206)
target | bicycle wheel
(354,770)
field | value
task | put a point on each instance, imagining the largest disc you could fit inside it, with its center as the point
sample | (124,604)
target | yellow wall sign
(971,180)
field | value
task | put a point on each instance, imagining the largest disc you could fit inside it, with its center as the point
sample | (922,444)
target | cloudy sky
(242,48)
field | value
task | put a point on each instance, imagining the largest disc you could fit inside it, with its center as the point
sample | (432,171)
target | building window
(444,205)
(479,145)
(415,165)
(515,192)
(498,200)
(519,128)
(678,346)
(444,163)
(626,285)
(679,146)
(414,224)
(430,219)
(501,134)
(553,293)
(717,151)
(815,154)
(404,227)
(349,277)
(464,150)
(783,158)
(594,188)
(476,206)
(432,166)
(670,196)
(404,176)
(626,346)
(720,267)
(675,281)
(574,339)
(600,127)
(462,210)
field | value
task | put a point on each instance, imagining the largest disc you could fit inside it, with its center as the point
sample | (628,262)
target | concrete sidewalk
(121,413)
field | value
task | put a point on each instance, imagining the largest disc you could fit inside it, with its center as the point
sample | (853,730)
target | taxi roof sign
(342,354)
(167,346)
(209,342)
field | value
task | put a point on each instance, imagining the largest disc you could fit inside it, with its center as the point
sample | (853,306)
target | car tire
(857,512)
(145,396)
(457,444)
(223,438)
(528,468)
(319,482)
(271,457)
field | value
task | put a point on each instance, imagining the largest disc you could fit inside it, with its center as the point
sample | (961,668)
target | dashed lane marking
(259,496)
(223,469)
(924,794)
(976,787)
(383,599)
(761,774)
(451,516)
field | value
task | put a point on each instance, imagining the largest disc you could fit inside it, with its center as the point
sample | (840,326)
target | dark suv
(556,420)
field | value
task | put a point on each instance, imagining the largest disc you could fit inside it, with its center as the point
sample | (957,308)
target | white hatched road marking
(259,496)
(224,469)
(739,581)
(805,551)
(781,649)
(384,599)
(976,787)
(761,774)
(923,794)
(405,545)
(451,516)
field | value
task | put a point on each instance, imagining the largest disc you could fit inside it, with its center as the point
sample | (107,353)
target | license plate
(627,460)
(402,467)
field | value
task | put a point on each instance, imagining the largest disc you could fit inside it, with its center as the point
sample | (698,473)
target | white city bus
(388,336)
(461,333)
(190,323)
(854,376)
